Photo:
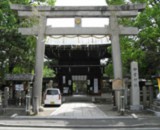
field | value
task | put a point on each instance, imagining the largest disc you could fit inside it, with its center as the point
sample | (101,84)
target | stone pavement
(81,107)
(84,110)
(79,110)
(82,115)
(88,110)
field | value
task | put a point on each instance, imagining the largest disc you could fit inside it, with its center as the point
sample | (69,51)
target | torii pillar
(116,54)
(40,49)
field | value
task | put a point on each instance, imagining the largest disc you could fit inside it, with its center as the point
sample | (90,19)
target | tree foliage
(115,2)
(145,47)
(17,52)
(149,36)
(47,72)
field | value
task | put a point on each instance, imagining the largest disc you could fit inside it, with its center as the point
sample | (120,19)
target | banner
(158,79)
(95,85)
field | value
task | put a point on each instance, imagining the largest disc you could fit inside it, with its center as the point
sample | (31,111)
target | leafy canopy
(17,52)
(145,47)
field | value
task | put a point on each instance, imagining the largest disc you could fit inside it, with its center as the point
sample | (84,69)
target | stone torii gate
(41,30)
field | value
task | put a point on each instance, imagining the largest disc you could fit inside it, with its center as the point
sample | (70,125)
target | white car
(52,96)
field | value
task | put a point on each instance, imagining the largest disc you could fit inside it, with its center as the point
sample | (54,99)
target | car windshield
(52,92)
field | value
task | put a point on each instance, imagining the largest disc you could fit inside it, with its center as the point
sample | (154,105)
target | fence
(13,98)
(147,96)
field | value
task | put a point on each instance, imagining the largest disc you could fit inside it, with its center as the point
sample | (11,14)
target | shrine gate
(114,30)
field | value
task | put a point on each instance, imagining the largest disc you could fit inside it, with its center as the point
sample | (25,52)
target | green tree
(17,52)
(15,48)
(149,36)
(115,2)
(143,48)
(47,72)
(51,2)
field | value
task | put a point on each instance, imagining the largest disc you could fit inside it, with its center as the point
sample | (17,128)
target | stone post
(126,95)
(150,95)
(40,49)
(1,99)
(28,102)
(135,91)
(144,96)
(6,96)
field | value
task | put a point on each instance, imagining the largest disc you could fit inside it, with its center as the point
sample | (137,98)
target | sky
(80,2)
(86,22)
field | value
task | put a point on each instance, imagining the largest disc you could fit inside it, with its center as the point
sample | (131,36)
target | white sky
(80,2)
(86,22)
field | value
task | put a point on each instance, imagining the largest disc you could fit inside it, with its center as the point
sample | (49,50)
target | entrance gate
(114,30)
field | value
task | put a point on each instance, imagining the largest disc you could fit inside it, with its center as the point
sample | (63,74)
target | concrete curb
(119,122)
(80,126)
(70,118)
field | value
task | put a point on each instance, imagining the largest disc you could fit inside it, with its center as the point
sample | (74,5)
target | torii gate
(41,30)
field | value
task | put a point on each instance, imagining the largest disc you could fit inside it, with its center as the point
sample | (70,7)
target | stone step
(104,100)
(85,98)
(77,98)
(156,102)
(155,107)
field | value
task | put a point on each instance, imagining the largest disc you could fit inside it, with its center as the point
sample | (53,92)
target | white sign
(95,85)
(19,87)
(88,82)
(64,79)
(69,82)
(65,90)
(79,77)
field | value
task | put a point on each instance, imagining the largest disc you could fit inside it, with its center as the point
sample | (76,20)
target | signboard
(79,77)
(117,84)
(88,82)
(65,90)
(19,77)
(64,79)
(95,85)
(19,87)
(69,82)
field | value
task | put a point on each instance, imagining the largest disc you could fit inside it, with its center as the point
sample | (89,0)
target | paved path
(79,110)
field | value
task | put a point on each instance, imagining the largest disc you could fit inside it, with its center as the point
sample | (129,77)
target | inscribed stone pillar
(135,92)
